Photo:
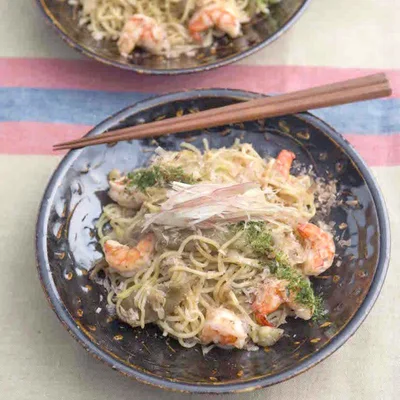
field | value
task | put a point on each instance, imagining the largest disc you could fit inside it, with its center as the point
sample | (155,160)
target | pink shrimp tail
(284,162)
(308,230)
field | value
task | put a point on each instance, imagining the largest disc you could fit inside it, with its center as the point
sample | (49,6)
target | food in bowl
(217,247)
(166,27)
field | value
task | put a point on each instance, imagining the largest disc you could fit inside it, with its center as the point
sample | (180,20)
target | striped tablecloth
(49,93)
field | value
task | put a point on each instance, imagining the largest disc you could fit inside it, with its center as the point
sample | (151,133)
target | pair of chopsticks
(359,89)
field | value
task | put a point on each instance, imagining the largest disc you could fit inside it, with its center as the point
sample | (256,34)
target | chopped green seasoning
(260,240)
(158,175)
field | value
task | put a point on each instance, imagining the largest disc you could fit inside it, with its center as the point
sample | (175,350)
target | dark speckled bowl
(261,31)
(67,247)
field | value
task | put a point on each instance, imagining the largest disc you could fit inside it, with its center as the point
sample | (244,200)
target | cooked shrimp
(142,31)
(283,162)
(224,19)
(128,260)
(124,195)
(271,296)
(321,249)
(223,327)
(268,299)
(300,310)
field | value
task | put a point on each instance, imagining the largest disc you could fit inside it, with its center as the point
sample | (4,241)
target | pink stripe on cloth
(38,138)
(377,150)
(90,75)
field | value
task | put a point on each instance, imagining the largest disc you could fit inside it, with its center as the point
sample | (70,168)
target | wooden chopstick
(339,86)
(365,88)
(213,117)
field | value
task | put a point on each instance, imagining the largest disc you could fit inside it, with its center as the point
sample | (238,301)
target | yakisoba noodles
(214,247)
(166,27)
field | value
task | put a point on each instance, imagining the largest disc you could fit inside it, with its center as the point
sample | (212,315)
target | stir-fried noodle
(214,247)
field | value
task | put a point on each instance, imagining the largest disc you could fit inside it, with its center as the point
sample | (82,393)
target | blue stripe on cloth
(91,107)
(62,106)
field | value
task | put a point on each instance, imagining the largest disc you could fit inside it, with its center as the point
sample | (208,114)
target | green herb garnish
(319,311)
(298,284)
(258,237)
(158,175)
(260,240)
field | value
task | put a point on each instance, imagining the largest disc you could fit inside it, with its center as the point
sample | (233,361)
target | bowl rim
(342,336)
(176,71)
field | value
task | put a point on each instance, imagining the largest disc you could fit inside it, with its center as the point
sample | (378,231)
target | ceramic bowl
(256,34)
(67,247)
